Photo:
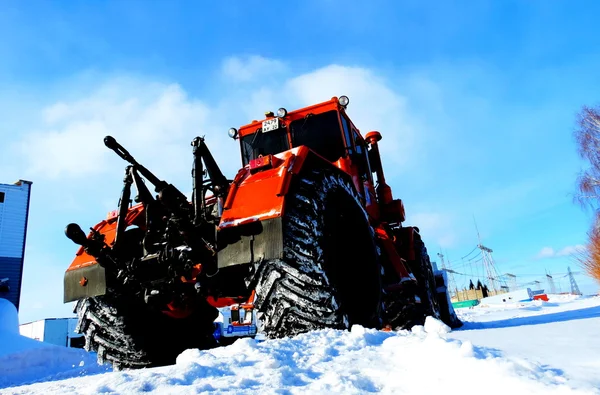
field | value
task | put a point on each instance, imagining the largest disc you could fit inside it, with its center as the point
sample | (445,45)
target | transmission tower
(512,282)
(450,273)
(488,263)
(551,285)
(574,288)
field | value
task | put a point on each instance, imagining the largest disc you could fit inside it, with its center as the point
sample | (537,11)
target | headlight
(344,100)
(282,112)
(232,133)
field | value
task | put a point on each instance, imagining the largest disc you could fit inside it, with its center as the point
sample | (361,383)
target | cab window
(259,143)
(321,133)
(361,156)
(346,127)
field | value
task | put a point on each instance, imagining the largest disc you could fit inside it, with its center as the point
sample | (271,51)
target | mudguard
(251,225)
(84,282)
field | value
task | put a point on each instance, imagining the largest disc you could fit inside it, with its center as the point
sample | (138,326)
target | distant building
(14,213)
(57,331)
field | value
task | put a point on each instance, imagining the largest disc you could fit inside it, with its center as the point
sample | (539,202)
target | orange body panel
(261,196)
(255,199)
(108,228)
(392,253)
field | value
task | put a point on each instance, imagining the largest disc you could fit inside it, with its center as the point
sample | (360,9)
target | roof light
(232,133)
(343,100)
(282,112)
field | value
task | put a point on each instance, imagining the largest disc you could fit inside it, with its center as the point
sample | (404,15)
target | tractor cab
(324,128)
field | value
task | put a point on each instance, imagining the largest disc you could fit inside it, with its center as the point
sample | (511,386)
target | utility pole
(574,288)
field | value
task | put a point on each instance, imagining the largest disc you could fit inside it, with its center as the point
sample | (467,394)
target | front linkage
(171,253)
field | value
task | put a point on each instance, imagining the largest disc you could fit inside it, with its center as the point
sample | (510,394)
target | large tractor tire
(401,310)
(329,275)
(130,335)
(411,304)
(448,315)
(423,271)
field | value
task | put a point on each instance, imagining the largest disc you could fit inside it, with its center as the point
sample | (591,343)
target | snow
(435,326)
(526,348)
(24,360)
(561,334)
(9,318)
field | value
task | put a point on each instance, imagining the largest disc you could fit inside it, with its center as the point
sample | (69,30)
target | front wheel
(328,275)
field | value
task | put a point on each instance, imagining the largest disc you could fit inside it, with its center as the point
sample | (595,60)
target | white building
(58,331)
(14,213)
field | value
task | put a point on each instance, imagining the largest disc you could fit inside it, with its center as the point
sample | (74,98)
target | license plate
(270,125)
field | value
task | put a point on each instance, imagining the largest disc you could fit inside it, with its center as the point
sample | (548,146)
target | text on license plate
(270,125)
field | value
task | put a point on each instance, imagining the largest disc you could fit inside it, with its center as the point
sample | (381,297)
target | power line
(473,250)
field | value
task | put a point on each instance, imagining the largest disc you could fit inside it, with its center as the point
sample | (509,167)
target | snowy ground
(24,360)
(561,335)
(531,348)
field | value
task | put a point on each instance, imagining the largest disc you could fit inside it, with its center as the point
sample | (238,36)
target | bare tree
(589,258)
(587,136)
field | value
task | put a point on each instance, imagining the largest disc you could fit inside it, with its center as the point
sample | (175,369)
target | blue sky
(476,102)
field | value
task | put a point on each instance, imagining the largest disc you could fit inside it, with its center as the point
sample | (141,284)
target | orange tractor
(306,236)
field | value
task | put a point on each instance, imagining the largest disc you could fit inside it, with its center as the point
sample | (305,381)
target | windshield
(321,133)
(260,143)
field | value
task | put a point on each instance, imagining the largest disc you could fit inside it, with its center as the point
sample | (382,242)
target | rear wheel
(131,335)
(423,271)
(328,276)
(127,333)
(410,304)
(401,308)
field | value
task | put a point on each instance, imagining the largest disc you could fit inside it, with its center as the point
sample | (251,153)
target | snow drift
(9,318)
(329,361)
(24,360)
(426,360)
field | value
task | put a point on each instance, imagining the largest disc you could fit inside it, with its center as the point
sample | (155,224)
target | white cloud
(546,252)
(373,106)
(571,250)
(549,252)
(156,121)
(436,229)
(251,68)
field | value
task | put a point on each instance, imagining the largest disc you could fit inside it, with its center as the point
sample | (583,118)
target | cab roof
(332,104)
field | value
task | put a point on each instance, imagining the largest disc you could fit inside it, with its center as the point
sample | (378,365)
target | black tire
(409,305)
(427,290)
(401,310)
(328,276)
(130,335)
